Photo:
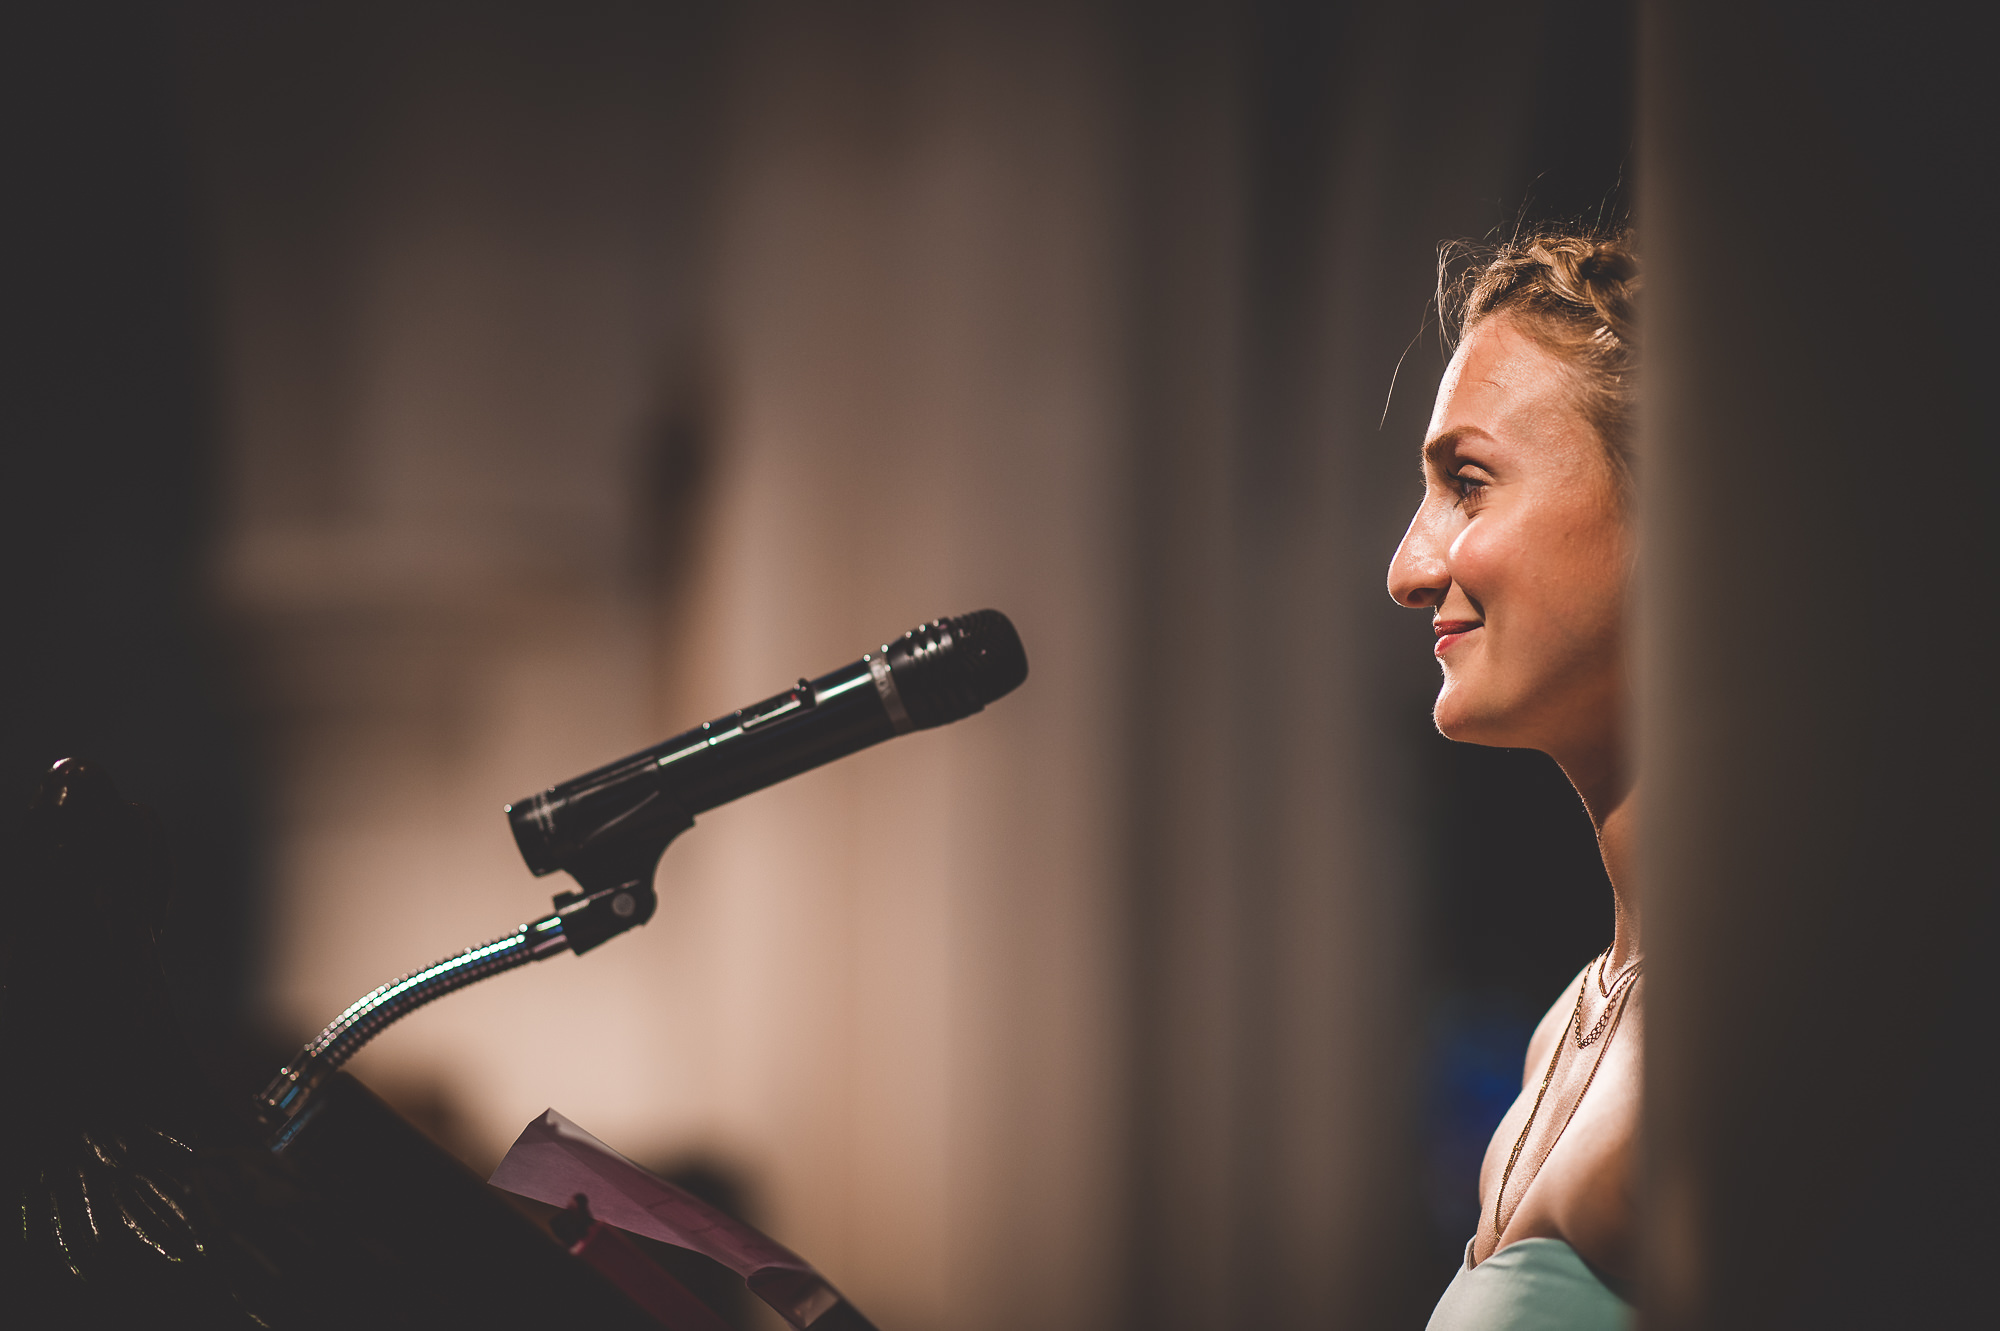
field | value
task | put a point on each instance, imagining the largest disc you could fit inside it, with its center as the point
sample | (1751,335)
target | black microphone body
(608,827)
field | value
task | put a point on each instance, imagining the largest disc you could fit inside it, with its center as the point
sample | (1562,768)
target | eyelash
(1470,490)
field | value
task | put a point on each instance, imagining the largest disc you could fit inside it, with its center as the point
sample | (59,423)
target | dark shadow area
(106,422)
(1519,903)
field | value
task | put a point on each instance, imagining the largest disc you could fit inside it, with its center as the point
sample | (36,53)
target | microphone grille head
(951,668)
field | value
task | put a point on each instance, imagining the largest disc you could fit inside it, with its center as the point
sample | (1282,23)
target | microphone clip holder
(612,897)
(614,869)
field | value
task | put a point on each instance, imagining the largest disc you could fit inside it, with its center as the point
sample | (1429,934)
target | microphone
(608,828)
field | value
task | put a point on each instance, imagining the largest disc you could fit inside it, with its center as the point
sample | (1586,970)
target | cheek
(1545,570)
(1591,566)
(1486,559)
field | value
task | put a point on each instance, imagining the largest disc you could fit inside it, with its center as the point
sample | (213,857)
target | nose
(1418,575)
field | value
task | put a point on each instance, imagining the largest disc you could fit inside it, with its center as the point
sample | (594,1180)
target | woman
(1522,552)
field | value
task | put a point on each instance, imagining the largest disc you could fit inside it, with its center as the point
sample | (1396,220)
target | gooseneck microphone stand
(608,828)
(284,1105)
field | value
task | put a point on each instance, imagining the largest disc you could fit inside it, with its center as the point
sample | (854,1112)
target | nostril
(1422,596)
(1407,591)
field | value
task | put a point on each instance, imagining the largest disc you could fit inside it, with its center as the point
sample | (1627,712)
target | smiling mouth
(1450,631)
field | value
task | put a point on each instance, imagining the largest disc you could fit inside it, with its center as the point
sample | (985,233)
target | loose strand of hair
(1396,373)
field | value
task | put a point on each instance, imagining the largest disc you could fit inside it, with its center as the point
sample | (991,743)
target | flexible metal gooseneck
(283,1103)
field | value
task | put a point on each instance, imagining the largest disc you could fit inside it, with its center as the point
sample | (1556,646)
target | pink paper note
(554,1159)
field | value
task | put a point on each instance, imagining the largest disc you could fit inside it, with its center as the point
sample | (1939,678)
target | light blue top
(1530,1285)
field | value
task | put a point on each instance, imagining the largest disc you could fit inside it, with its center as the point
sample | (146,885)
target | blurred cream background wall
(845,323)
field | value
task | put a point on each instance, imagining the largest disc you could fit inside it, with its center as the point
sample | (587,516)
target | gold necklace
(1615,995)
(1625,977)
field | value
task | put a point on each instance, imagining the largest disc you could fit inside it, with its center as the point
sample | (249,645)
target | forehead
(1501,384)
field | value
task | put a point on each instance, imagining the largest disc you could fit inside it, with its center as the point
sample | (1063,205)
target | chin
(1461,718)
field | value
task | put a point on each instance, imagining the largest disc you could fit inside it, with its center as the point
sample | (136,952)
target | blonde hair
(1574,294)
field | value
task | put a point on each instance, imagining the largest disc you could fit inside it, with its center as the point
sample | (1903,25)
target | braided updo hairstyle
(1574,295)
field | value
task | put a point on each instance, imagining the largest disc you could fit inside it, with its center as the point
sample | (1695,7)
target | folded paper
(554,1160)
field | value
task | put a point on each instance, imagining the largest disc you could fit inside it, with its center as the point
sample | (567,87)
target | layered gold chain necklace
(1615,993)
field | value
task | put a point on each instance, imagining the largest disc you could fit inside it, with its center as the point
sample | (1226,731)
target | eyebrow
(1435,449)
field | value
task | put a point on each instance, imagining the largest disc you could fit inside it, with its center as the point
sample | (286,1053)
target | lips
(1450,631)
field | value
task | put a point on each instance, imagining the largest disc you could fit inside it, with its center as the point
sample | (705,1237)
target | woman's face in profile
(1521,549)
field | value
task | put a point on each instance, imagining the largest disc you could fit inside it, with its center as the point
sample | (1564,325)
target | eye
(1470,486)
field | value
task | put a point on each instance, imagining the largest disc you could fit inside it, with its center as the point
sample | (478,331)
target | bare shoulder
(1585,1192)
(1541,1047)
(1590,1181)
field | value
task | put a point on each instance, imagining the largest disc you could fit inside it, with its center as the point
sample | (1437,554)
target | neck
(1611,799)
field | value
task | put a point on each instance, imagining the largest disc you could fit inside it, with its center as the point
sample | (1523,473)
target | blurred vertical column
(1819,897)
(917,302)
(1192,1211)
